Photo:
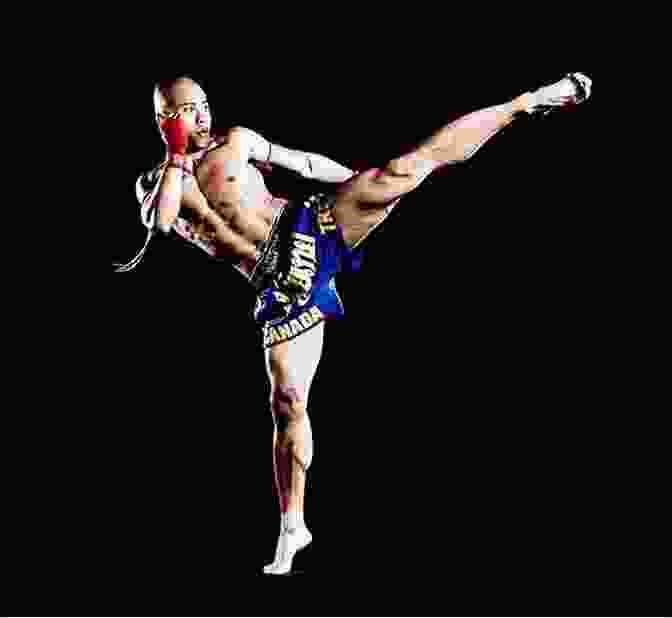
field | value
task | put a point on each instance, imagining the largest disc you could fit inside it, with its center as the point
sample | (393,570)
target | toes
(586,86)
(585,82)
(583,78)
(280,568)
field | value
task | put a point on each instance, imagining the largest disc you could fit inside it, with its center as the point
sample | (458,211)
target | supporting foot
(290,542)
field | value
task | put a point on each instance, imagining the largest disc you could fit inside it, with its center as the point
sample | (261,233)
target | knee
(287,404)
(397,168)
(413,167)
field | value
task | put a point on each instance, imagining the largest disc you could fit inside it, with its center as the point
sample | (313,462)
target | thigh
(357,219)
(294,363)
(365,201)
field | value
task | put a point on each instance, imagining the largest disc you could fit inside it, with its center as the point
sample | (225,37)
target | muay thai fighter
(208,192)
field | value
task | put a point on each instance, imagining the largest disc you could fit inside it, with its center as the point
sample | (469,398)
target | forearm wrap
(308,164)
(323,168)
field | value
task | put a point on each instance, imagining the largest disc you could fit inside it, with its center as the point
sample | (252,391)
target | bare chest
(238,195)
(232,186)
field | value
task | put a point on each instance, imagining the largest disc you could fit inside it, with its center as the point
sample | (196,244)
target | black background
(462,446)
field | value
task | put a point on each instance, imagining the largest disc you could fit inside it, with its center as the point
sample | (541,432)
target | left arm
(307,164)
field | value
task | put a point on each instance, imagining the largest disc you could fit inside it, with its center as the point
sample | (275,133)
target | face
(187,99)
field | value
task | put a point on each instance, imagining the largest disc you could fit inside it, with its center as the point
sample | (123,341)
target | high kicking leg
(364,201)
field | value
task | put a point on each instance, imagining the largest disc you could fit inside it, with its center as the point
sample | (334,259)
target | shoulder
(224,136)
(242,132)
(238,138)
(252,141)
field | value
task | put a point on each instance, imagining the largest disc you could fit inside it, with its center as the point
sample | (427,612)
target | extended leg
(459,140)
(362,201)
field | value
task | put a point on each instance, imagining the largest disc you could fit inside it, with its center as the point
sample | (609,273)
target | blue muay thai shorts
(296,270)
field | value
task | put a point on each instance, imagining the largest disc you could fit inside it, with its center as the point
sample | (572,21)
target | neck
(197,153)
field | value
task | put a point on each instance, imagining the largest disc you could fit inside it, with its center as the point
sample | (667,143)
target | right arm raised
(168,194)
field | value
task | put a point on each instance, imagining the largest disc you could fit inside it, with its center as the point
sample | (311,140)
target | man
(208,193)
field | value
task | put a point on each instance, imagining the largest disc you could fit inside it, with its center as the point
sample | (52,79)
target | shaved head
(185,97)
(171,93)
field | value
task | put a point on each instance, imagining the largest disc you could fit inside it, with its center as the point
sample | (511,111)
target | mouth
(203,133)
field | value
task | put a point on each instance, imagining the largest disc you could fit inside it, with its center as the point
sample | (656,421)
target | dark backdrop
(459,439)
(448,404)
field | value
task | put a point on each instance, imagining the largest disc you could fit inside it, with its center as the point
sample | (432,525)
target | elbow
(349,175)
(164,228)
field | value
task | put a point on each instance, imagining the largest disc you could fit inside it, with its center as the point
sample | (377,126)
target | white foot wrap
(573,89)
(289,543)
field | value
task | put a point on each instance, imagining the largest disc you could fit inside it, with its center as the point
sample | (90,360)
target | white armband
(308,164)
(291,159)
(323,168)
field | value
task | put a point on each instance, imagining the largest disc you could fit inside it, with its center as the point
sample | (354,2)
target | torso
(244,205)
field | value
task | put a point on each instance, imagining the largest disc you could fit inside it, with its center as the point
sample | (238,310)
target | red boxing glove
(175,134)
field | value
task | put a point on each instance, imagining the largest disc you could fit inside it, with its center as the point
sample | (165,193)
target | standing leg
(291,367)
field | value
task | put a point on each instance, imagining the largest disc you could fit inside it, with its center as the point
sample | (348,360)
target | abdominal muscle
(250,219)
